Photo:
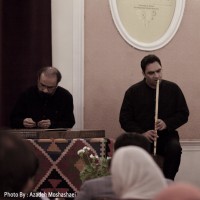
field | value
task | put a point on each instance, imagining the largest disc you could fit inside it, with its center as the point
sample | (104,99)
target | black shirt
(32,104)
(138,107)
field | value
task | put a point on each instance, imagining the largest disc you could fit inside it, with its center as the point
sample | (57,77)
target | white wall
(62,40)
(190,162)
(67,49)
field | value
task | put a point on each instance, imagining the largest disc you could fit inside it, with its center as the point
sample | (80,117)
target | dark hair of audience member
(132,139)
(18,163)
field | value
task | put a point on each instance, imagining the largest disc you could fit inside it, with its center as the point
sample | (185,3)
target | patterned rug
(60,164)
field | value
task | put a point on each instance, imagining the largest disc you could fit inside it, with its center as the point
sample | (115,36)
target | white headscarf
(135,174)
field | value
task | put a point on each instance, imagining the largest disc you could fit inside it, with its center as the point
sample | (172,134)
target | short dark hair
(151,58)
(50,71)
(134,139)
(18,163)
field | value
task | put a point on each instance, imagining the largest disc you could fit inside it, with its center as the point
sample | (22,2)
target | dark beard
(45,95)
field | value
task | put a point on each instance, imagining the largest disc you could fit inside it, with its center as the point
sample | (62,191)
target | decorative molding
(162,41)
(78,62)
(190,145)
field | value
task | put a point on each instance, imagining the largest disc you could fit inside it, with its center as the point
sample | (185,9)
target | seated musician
(45,105)
(138,113)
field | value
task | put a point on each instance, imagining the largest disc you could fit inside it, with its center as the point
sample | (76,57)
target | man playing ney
(137,113)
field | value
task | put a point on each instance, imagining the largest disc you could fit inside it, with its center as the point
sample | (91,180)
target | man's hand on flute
(151,135)
(160,125)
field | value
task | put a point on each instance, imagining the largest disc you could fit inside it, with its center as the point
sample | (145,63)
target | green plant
(94,166)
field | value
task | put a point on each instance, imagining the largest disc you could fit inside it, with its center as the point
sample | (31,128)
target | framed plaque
(147,24)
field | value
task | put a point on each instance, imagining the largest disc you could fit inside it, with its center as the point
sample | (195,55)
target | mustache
(45,95)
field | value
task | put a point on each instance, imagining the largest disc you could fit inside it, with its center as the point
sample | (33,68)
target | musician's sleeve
(181,112)
(126,117)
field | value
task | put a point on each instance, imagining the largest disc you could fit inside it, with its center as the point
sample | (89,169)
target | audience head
(132,139)
(135,174)
(18,164)
(48,79)
(179,191)
(151,58)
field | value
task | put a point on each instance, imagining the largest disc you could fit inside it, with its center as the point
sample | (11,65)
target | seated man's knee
(174,147)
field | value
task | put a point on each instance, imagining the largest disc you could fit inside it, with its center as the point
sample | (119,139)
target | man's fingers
(44,123)
(29,123)
(160,125)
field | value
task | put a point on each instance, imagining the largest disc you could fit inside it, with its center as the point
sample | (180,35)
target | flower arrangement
(94,166)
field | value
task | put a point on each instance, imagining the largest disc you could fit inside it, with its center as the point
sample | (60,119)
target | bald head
(50,72)
(48,79)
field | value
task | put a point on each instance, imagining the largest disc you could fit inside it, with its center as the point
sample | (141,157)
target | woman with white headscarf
(135,175)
